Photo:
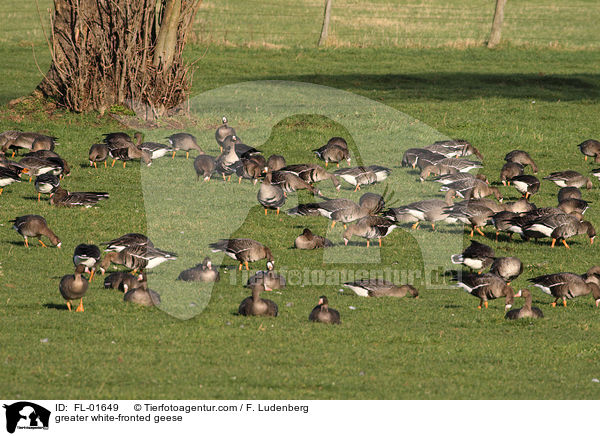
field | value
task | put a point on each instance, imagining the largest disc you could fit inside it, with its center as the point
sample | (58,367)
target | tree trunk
(326,18)
(119,52)
(496,32)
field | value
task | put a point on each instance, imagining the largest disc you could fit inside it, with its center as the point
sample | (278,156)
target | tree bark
(325,27)
(496,32)
(119,52)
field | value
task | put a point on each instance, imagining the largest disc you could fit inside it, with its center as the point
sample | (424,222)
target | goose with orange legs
(73,287)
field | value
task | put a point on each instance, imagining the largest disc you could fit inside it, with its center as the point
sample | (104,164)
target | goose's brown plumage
(487,287)
(74,287)
(566,286)
(34,226)
(203,272)
(369,227)
(590,148)
(244,250)
(522,157)
(527,311)
(381,288)
(257,306)
(309,241)
(323,313)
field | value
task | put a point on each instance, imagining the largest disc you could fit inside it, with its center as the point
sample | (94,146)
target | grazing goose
(590,148)
(323,313)
(131,152)
(62,197)
(487,287)
(363,175)
(275,162)
(291,183)
(98,153)
(121,280)
(380,288)
(269,279)
(420,157)
(522,157)
(7,177)
(509,268)
(204,165)
(155,150)
(503,221)
(527,311)
(519,222)
(137,257)
(527,185)
(241,150)
(568,193)
(312,173)
(572,205)
(309,241)
(520,206)
(227,162)
(141,294)
(36,166)
(203,272)
(73,287)
(46,184)
(451,178)
(476,256)
(569,178)
(373,203)
(127,240)
(30,141)
(481,190)
(223,131)
(270,196)
(463,147)
(53,158)
(244,250)
(437,170)
(463,187)
(462,165)
(117,139)
(6,137)
(183,141)
(476,215)
(566,286)
(426,210)
(559,226)
(34,226)
(447,150)
(493,205)
(250,168)
(369,227)
(256,306)
(334,151)
(510,170)
(88,256)
(572,228)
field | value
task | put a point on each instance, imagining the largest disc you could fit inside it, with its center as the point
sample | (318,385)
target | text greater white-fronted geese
(251,168)
(309,241)
(87,255)
(257,306)
(559,226)
(369,227)
(509,268)
(121,280)
(527,311)
(183,141)
(137,257)
(244,250)
(270,196)
(155,150)
(476,256)
(569,178)
(476,215)
(565,286)
(30,141)
(73,287)
(323,313)
(573,205)
(381,288)
(34,226)
(203,272)
(590,148)
(522,157)
(487,287)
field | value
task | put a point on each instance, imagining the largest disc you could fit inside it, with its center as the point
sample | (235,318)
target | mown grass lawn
(439,346)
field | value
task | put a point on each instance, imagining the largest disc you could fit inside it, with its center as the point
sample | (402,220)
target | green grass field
(529,94)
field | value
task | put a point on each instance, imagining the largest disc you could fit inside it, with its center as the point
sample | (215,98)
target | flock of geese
(444,162)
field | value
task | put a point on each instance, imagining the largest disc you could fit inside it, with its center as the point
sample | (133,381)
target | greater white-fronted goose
(223,131)
(269,279)
(522,157)
(87,255)
(7,177)
(141,294)
(309,241)
(447,150)
(437,170)
(275,162)
(62,197)
(312,173)
(227,162)
(572,205)
(476,256)
(431,211)
(493,205)
(420,157)
(358,176)
(116,139)
(203,272)
(73,287)
(291,183)
(53,158)
(30,141)
(527,311)
(462,165)
(155,150)
(487,287)
(568,193)
(509,268)
(270,196)
(474,214)
(559,226)
(6,137)
(481,190)
(323,313)
(127,240)
(34,226)
(136,258)
(98,153)
(334,151)
(36,166)
(510,170)
(183,141)
(130,152)
(573,228)
(244,250)
(590,148)
(204,165)
(520,221)
(46,184)
(566,286)
(462,187)
(520,206)
(256,306)
(451,178)
(503,221)
(381,288)
(121,280)
(527,185)
(250,168)
(569,178)
(464,147)
(369,227)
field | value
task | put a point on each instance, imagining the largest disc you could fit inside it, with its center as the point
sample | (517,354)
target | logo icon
(26,415)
